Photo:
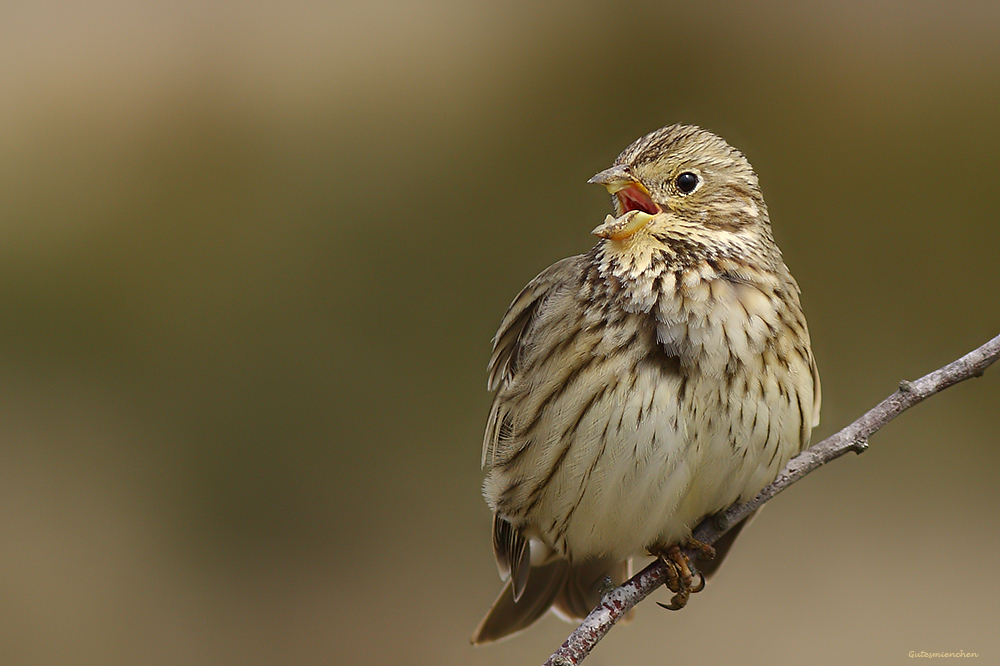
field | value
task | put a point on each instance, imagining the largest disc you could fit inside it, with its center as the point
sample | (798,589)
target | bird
(645,385)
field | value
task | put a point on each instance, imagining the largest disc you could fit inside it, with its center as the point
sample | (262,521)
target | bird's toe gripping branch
(683,579)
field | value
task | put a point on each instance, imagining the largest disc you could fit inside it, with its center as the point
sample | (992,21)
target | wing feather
(508,341)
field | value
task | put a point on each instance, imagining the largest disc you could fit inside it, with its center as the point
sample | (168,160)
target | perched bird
(645,385)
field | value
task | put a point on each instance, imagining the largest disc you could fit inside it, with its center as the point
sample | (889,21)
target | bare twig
(854,437)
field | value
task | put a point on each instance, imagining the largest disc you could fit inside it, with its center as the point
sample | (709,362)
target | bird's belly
(655,458)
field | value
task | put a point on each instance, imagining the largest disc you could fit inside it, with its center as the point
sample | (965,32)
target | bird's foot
(683,579)
(607,586)
(705,551)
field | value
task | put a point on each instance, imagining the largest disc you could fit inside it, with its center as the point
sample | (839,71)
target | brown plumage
(644,385)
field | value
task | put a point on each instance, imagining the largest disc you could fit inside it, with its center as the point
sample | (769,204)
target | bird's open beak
(620,228)
(633,203)
(610,178)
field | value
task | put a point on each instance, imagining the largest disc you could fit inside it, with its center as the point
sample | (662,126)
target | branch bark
(615,604)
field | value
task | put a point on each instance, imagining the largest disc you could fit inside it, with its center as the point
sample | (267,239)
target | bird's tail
(571,590)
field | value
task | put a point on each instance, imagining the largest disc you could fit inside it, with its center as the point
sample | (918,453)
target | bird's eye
(686,182)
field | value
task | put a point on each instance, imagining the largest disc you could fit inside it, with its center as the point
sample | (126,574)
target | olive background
(252,256)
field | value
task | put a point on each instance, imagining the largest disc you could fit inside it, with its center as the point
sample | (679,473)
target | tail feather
(582,590)
(572,590)
(507,617)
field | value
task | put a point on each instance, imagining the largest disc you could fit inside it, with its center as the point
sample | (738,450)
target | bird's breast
(626,433)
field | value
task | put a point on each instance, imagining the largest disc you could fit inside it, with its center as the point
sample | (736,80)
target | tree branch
(854,437)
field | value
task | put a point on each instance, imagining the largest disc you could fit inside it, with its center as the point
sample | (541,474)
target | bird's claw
(682,578)
(700,585)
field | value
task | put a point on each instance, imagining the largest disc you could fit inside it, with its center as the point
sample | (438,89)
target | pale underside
(631,426)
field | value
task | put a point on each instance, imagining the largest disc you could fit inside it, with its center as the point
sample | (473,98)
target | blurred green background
(252,255)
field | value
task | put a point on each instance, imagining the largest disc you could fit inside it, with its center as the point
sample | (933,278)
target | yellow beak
(622,227)
(615,178)
(631,197)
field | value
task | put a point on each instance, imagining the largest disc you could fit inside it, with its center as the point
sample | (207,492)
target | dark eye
(686,182)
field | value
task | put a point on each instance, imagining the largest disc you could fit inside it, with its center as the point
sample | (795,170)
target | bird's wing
(507,343)
(817,393)
(512,553)
(511,548)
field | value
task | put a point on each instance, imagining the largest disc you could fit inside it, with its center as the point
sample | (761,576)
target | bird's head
(686,190)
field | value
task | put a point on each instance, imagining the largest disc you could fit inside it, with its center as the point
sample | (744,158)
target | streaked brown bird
(644,385)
